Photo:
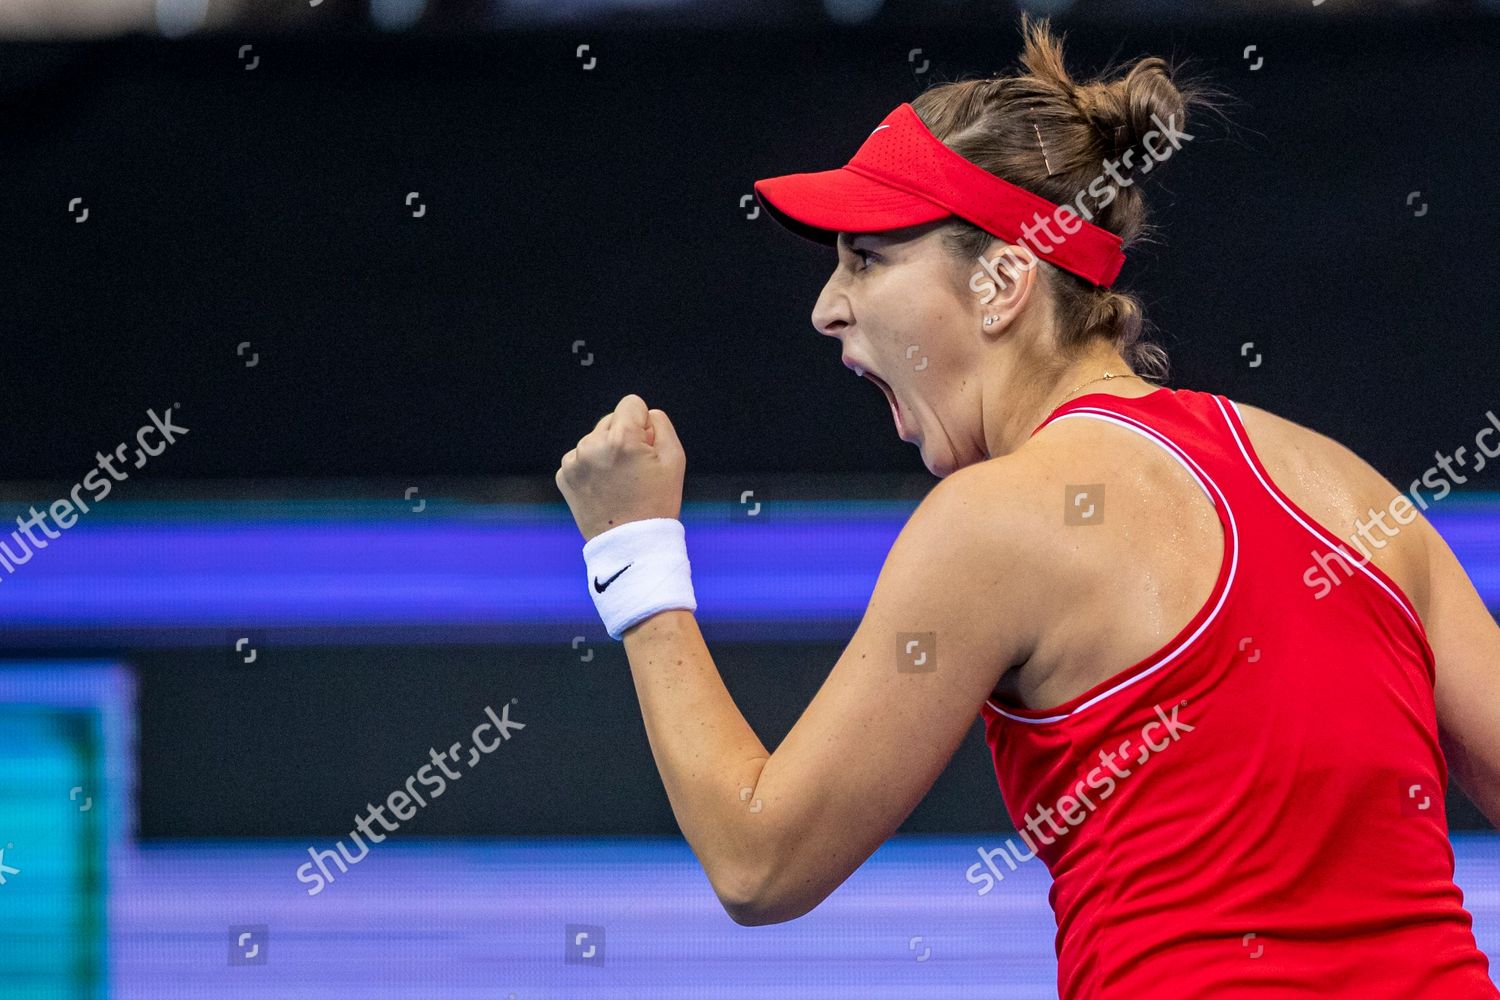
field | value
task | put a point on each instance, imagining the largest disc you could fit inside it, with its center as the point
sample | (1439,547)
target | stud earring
(989,320)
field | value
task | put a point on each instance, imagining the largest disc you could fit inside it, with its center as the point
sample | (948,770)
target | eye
(864,257)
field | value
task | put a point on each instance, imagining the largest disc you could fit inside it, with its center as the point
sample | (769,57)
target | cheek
(927,344)
(937,361)
(922,324)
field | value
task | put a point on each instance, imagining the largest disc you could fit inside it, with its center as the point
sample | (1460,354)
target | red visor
(903,175)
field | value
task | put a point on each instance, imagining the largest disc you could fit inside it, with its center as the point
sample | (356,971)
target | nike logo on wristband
(599,587)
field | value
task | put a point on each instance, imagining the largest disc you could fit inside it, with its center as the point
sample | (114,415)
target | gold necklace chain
(1101,378)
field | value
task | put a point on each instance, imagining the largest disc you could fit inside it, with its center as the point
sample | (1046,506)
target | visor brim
(820,205)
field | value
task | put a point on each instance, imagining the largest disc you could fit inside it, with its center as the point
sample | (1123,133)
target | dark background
(268,206)
(290,747)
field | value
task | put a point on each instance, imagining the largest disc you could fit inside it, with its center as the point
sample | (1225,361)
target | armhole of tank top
(1312,526)
(1190,633)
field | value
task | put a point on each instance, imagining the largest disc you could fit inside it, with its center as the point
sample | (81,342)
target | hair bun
(1121,105)
(1126,109)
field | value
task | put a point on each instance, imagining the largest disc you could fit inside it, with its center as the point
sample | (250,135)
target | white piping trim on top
(1312,529)
(1199,476)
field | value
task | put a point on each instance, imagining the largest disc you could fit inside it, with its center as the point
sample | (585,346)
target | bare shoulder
(1308,464)
(1006,505)
(1341,491)
(990,529)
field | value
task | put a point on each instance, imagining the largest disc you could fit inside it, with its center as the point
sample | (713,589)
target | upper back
(1129,546)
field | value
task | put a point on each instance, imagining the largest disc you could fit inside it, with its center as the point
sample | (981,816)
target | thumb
(661,430)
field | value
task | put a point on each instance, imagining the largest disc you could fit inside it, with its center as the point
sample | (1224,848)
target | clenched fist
(628,468)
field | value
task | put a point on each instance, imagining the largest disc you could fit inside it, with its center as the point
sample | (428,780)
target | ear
(1004,278)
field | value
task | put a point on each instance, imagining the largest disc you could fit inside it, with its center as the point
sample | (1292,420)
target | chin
(941,469)
(946,463)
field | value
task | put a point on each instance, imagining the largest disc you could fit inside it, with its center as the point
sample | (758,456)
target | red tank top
(1255,810)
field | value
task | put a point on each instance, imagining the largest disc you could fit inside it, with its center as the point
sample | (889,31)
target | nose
(830,315)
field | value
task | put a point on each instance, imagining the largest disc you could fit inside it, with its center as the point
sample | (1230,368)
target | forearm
(709,758)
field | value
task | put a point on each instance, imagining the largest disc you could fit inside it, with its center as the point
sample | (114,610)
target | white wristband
(638,569)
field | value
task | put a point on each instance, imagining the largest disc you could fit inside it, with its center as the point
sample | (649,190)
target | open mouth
(890,397)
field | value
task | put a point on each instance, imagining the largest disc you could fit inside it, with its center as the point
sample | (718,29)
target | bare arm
(1466,644)
(776,833)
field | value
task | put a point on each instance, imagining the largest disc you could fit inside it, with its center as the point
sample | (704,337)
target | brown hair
(1049,134)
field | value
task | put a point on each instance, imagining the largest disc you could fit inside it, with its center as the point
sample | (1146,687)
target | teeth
(859,371)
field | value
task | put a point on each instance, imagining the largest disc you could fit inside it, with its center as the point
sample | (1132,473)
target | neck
(1027,397)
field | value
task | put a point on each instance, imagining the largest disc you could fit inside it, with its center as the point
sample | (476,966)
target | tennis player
(1226,732)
